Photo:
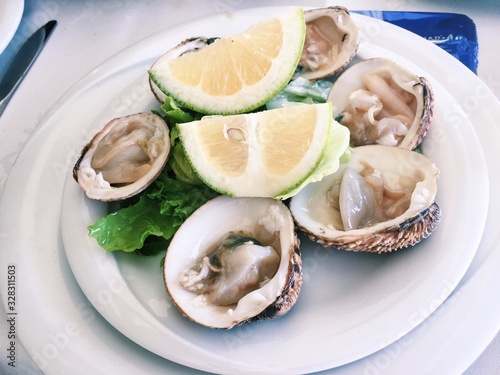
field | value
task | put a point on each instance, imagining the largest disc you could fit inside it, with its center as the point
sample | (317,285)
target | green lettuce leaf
(153,220)
(174,114)
(301,90)
(128,228)
(179,162)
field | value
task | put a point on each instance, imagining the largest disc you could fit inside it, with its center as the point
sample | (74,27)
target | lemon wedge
(238,73)
(271,153)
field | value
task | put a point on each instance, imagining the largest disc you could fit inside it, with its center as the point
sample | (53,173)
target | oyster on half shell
(332,39)
(234,260)
(382,102)
(124,157)
(382,200)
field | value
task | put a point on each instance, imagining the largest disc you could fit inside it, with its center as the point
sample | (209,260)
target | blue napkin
(455,33)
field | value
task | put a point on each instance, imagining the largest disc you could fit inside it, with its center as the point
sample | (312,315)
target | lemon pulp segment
(227,155)
(284,141)
(229,64)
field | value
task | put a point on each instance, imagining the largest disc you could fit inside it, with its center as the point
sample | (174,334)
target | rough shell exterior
(427,113)
(406,234)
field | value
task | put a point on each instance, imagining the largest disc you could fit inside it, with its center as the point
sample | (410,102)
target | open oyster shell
(234,260)
(124,157)
(382,200)
(332,39)
(382,102)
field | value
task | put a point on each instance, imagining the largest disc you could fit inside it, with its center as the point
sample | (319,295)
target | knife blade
(22,62)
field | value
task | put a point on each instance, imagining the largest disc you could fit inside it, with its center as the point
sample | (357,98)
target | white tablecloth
(89,32)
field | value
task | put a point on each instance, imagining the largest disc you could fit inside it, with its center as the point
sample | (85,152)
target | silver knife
(22,62)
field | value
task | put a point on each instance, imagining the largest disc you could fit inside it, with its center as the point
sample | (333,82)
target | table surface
(91,31)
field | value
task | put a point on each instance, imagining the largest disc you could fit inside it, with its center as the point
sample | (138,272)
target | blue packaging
(455,33)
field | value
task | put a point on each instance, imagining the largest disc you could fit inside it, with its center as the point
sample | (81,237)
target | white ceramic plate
(61,327)
(11,12)
(359,303)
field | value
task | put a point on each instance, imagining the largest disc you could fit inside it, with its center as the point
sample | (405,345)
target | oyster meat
(124,157)
(382,200)
(382,102)
(332,39)
(242,265)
